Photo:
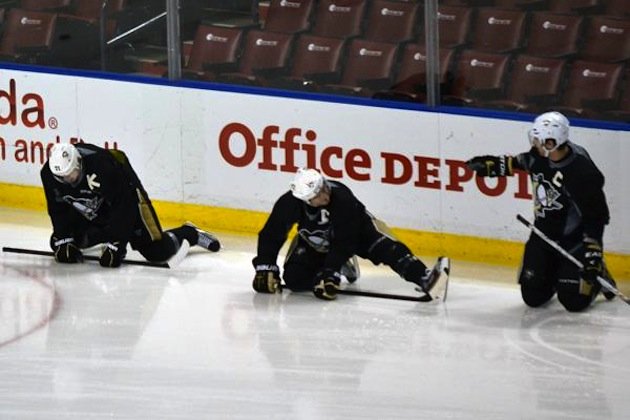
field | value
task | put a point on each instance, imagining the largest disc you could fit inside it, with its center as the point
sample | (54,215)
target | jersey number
(324,217)
(557,179)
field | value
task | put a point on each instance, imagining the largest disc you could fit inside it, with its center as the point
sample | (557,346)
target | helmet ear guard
(307,184)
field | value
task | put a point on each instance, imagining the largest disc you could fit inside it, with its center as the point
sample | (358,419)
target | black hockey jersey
(569,199)
(106,196)
(334,229)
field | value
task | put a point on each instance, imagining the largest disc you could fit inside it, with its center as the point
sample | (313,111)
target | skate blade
(440,289)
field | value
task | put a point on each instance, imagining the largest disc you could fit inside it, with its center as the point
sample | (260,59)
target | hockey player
(95,197)
(333,226)
(569,207)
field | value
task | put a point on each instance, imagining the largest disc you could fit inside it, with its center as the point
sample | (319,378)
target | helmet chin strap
(546,151)
(535,141)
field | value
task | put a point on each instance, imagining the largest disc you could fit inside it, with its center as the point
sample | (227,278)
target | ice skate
(435,281)
(205,239)
(350,270)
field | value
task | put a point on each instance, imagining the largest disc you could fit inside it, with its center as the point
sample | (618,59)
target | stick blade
(179,256)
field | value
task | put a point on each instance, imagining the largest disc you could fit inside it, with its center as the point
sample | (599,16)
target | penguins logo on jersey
(545,196)
(88,207)
(317,234)
(319,240)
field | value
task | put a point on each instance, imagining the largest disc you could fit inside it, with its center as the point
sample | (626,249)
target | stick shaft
(422,298)
(85,257)
(551,242)
(381,295)
(568,256)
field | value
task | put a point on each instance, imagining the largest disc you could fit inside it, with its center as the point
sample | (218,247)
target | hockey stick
(571,258)
(421,298)
(85,257)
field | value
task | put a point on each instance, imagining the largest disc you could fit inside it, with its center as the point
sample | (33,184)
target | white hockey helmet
(307,184)
(64,158)
(550,125)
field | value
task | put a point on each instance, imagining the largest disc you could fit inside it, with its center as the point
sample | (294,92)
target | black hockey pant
(147,236)
(545,272)
(303,262)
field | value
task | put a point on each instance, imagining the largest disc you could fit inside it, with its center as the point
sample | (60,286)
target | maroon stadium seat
(289,16)
(553,34)
(265,55)
(498,30)
(368,67)
(316,60)
(591,86)
(339,18)
(391,21)
(606,39)
(532,83)
(478,76)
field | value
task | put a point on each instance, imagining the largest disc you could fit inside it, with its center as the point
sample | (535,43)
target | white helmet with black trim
(64,159)
(550,125)
(307,184)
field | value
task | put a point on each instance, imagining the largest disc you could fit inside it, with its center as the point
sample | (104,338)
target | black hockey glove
(491,166)
(267,278)
(66,251)
(113,254)
(326,284)
(592,260)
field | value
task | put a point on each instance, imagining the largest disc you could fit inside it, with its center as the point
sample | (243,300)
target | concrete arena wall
(222,158)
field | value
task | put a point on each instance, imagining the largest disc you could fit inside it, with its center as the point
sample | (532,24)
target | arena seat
(617,8)
(45,5)
(315,61)
(467,3)
(392,21)
(368,67)
(478,76)
(410,81)
(553,34)
(575,6)
(289,16)
(215,49)
(521,4)
(28,36)
(339,18)
(606,39)
(591,86)
(91,10)
(620,111)
(498,30)
(453,26)
(265,55)
(533,82)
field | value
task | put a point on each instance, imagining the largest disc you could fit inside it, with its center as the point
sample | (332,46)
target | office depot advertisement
(237,150)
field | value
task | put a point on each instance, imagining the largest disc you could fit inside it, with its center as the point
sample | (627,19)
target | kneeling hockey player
(569,207)
(333,227)
(95,197)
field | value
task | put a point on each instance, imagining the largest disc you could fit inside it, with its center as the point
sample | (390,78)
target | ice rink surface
(196,342)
